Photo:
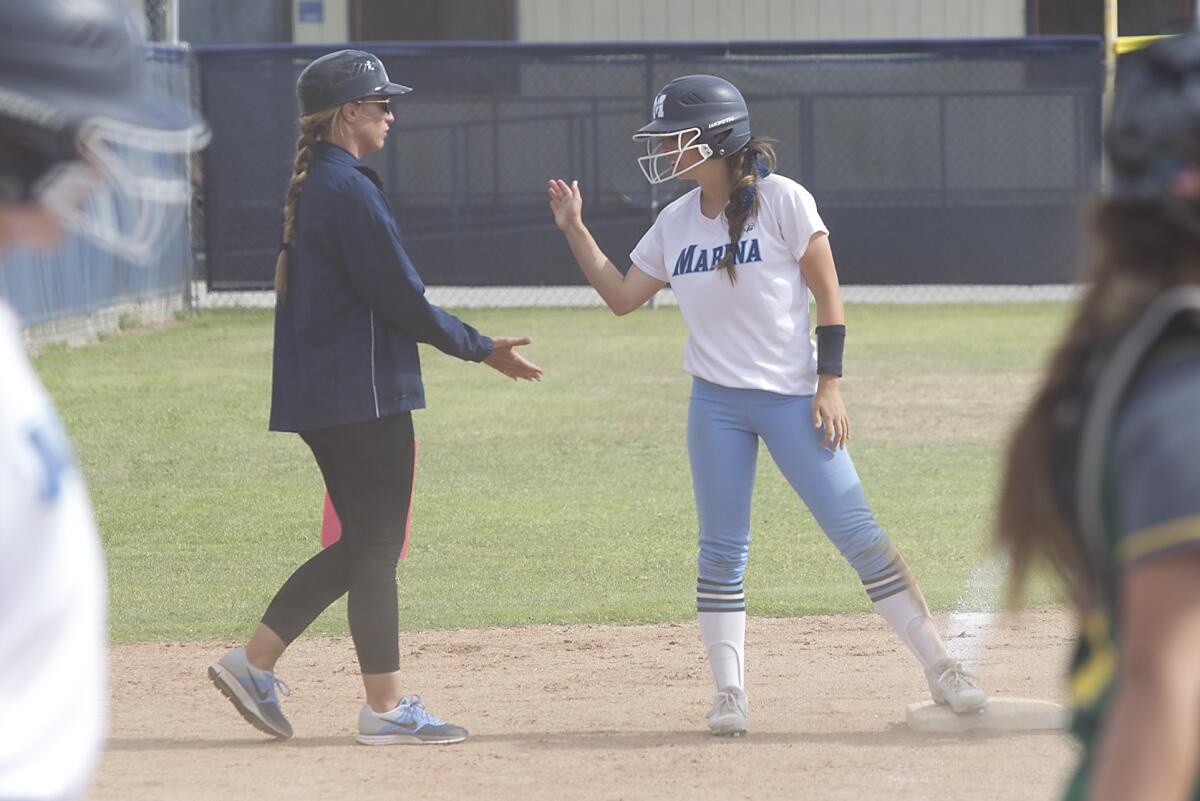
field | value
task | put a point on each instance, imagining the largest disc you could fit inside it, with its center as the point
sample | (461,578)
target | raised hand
(511,363)
(566,202)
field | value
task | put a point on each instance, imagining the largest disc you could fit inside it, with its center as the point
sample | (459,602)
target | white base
(1002,714)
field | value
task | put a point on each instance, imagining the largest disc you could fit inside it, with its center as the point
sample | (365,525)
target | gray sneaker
(950,684)
(252,692)
(410,723)
(728,715)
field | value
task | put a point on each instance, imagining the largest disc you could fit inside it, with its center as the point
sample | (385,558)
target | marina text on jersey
(700,260)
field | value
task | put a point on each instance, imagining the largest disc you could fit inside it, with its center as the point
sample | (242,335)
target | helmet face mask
(83,131)
(706,113)
(660,166)
(127,190)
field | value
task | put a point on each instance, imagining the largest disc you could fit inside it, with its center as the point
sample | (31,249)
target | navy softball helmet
(83,131)
(703,113)
(341,77)
(1153,137)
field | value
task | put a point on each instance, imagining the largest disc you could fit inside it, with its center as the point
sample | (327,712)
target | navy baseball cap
(341,77)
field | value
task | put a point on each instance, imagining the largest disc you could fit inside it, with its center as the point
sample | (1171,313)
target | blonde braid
(312,129)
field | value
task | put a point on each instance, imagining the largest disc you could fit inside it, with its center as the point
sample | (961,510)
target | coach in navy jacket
(350,310)
(348,323)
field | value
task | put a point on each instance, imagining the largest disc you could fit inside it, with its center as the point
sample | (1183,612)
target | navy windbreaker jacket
(354,309)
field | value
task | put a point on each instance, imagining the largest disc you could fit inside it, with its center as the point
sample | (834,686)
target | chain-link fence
(939,165)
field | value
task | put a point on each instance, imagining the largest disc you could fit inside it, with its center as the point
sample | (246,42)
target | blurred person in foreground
(1103,474)
(78,130)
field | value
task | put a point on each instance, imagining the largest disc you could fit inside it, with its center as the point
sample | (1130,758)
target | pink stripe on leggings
(331,526)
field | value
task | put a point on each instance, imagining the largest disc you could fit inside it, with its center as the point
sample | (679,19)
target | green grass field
(564,501)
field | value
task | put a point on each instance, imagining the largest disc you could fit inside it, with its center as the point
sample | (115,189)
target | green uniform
(1152,511)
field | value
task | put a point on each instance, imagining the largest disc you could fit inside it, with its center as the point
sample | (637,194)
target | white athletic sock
(908,616)
(724,635)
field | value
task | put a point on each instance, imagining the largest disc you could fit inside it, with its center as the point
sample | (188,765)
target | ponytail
(1141,253)
(756,160)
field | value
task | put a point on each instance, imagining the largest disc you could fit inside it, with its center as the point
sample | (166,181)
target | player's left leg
(829,485)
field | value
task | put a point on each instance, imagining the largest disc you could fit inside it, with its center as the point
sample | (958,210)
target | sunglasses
(386,103)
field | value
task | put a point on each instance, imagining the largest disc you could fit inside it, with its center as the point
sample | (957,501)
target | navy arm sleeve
(385,278)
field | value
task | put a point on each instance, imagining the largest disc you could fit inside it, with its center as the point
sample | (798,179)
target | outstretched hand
(566,202)
(511,363)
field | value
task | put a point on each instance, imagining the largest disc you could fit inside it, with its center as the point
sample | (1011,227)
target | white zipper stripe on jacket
(374,389)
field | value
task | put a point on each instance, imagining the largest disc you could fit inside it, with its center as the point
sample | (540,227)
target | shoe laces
(270,678)
(958,677)
(726,703)
(412,708)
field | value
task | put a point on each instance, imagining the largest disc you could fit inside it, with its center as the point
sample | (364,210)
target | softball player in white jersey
(70,85)
(742,252)
(52,663)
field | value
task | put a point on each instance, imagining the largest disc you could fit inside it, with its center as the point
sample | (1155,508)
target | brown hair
(755,160)
(1140,253)
(313,128)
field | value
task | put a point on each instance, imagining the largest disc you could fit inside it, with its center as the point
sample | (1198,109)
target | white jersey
(753,334)
(53,663)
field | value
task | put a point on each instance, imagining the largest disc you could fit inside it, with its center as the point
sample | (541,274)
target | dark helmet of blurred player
(82,132)
(341,77)
(704,113)
(1153,137)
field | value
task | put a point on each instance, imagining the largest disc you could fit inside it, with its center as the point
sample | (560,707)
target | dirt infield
(595,712)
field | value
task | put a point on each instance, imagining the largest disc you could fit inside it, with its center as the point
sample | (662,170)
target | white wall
(723,20)
(335,27)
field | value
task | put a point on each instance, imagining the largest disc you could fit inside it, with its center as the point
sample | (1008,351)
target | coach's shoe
(410,723)
(950,684)
(252,692)
(728,715)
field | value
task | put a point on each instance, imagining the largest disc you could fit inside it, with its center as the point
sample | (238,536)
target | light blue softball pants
(724,427)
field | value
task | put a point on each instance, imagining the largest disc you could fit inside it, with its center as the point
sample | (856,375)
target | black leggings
(368,470)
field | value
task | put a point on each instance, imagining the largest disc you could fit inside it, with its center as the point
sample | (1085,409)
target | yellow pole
(1111,36)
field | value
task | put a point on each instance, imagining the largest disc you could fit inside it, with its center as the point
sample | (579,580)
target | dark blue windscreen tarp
(961,162)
